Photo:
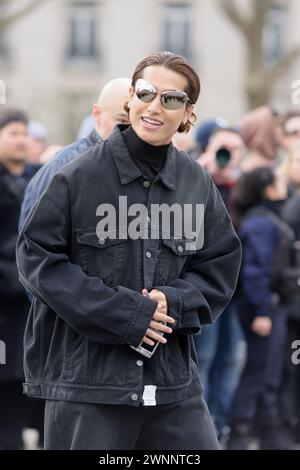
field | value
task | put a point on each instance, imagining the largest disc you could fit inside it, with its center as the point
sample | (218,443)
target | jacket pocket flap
(91,238)
(182,247)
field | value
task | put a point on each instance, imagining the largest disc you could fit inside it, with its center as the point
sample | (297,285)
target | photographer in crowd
(220,346)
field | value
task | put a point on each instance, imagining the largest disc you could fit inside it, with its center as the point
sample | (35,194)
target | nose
(154,107)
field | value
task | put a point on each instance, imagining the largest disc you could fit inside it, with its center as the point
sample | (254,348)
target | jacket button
(146,184)
(134,397)
(180,249)
(139,363)
(148,254)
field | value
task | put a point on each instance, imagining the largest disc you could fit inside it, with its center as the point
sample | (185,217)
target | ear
(188,112)
(131,94)
(97,113)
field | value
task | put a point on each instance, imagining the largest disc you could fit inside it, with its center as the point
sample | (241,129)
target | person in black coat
(14,304)
(105,292)
(290,387)
(266,243)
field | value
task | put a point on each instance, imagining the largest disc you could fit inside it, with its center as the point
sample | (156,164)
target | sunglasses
(170,99)
(292,132)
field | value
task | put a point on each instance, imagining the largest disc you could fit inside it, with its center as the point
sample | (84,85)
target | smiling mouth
(151,123)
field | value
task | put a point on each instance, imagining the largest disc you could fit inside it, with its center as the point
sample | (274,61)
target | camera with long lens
(223,157)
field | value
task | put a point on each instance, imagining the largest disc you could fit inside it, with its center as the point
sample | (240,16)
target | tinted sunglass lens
(145,95)
(174,100)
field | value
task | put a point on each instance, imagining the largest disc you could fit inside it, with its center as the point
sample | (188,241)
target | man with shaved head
(107,112)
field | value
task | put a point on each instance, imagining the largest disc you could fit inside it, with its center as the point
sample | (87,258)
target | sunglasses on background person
(170,99)
(292,132)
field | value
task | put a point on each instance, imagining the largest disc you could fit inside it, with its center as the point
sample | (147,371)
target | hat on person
(12,115)
(205,130)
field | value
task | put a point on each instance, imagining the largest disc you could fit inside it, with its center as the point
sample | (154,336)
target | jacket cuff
(141,321)
(188,321)
(262,311)
(174,302)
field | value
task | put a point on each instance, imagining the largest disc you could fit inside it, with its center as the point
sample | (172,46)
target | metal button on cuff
(134,397)
(180,249)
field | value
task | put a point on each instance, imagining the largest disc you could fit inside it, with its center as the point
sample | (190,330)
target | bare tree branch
(12,18)
(231,11)
(284,63)
(259,79)
(260,8)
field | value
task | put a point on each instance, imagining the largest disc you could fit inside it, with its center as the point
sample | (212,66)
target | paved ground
(31,437)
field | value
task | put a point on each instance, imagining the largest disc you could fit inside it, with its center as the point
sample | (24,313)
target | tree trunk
(260,79)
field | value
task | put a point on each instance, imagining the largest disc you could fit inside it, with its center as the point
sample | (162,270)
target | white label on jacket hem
(149,395)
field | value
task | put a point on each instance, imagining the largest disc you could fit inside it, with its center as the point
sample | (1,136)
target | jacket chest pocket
(172,259)
(100,257)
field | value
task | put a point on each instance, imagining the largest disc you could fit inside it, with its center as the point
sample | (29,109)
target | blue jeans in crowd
(221,355)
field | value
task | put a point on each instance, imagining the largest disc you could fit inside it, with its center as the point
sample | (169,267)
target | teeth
(152,123)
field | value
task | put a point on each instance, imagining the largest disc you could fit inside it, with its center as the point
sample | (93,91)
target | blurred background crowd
(55,58)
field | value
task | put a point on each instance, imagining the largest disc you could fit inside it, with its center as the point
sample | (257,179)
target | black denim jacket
(88,306)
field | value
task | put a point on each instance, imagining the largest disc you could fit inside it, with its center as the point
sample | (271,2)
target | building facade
(55,60)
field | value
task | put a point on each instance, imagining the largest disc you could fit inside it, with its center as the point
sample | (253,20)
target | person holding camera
(220,346)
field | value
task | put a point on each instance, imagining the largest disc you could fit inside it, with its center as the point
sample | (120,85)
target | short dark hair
(249,191)
(178,64)
(12,115)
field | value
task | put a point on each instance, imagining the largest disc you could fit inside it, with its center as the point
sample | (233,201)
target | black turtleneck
(148,158)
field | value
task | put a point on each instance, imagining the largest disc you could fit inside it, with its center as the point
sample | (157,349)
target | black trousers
(185,425)
(257,395)
(13,415)
(290,386)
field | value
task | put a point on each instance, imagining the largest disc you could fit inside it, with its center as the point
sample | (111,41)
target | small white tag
(149,395)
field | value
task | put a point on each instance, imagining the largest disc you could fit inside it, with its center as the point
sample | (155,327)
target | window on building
(176,26)
(83,31)
(274,32)
(3,37)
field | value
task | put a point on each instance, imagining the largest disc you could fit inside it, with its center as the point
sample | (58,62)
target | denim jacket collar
(127,169)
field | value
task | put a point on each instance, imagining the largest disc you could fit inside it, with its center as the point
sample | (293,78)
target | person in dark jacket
(113,273)
(14,305)
(255,200)
(220,346)
(290,387)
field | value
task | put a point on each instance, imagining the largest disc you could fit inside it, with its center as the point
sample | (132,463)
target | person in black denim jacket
(100,289)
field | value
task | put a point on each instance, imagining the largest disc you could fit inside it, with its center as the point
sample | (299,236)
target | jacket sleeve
(259,237)
(102,314)
(202,292)
(291,214)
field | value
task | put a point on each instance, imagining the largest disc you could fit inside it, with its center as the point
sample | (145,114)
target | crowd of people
(244,358)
